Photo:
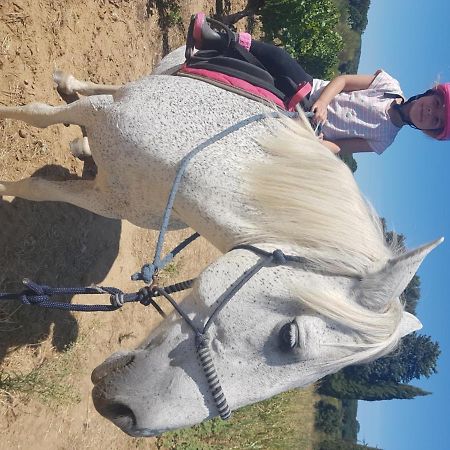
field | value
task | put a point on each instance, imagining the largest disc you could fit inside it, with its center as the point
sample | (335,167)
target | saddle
(237,70)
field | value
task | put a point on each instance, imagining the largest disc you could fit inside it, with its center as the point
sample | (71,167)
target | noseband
(275,258)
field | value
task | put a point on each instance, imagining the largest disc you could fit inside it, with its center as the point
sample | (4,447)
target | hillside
(352,24)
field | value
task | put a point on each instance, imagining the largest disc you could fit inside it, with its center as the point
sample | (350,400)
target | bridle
(267,259)
(276,258)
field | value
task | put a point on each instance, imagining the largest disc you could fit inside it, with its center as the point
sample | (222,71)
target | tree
(350,161)
(338,444)
(341,386)
(307,30)
(252,8)
(352,20)
(393,238)
(327,417)
(416,357)
(350,426)
(357,10)
(411,295)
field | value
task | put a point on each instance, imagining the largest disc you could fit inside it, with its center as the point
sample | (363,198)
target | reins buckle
(153,286)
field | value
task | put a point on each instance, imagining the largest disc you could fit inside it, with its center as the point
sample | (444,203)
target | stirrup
(195,32)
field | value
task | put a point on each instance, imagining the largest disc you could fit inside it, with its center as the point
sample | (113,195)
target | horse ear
(408,324)
(390,281)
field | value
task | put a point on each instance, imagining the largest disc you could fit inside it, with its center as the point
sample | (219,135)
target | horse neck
(215,205)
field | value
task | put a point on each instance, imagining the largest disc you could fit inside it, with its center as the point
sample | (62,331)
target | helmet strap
(400,107)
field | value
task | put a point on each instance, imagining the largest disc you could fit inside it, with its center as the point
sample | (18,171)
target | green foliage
(352,22)
(329,22)
(327,417)
(411,294)
(350,54)
(342,6)
(307,30)
(392,237)
(350,161)
(337,418)
(46,382)
(275,424)
(358,10)
(416,357)
(331,444)
(36,384)
(350,426)
(173,12)
(340,386)
(169,12)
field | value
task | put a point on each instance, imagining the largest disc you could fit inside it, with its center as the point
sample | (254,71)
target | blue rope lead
(40,295)
(148,270)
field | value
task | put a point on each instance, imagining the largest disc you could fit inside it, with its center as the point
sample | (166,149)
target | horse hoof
(64,81)
(80,148)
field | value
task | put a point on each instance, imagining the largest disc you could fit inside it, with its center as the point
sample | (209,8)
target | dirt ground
(108,41)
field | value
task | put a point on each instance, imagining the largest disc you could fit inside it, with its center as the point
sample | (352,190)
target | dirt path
(109,41)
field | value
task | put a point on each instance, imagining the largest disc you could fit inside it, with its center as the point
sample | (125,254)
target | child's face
(428,113)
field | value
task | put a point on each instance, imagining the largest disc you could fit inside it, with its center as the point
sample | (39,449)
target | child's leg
(288,74)
(280,65)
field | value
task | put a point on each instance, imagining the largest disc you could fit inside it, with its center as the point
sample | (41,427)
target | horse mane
(308,199)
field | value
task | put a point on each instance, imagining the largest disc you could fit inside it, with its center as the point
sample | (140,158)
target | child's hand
(320,112)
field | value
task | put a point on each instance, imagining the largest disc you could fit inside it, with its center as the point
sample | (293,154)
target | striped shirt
(361,114)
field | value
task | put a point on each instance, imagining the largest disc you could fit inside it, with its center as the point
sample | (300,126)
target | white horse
(263,181)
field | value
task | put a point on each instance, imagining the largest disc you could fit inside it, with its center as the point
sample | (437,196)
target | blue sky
(410,185)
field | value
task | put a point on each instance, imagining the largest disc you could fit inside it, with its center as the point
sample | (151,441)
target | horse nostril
(114,363)
(121,415)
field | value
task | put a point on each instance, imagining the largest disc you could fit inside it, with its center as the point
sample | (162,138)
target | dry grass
(282,423)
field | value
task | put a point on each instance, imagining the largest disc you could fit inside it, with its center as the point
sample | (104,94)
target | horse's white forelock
(308,199)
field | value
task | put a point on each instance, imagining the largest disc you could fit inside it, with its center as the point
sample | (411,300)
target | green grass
(172,12)
(171,269)
(283,422)
(46,382)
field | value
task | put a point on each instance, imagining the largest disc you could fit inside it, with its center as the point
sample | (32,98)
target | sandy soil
(108,41)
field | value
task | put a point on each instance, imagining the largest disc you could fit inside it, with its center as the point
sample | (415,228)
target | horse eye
(288,337)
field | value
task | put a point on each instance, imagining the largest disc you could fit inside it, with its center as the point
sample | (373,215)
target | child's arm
(347,146)
(342,83)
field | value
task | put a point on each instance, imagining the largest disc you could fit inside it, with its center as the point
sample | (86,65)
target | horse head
(285,328)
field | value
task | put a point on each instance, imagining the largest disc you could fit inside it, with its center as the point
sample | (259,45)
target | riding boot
(205,38)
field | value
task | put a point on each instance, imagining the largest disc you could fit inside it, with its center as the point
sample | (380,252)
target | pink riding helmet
(444,90)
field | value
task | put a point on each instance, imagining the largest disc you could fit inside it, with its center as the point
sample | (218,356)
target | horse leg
(83,193)
(41,115)
(69,88)
(79,148)
(68,84)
